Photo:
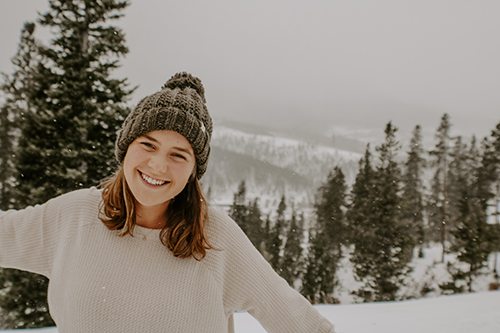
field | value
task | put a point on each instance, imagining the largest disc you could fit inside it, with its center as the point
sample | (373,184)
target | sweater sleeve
(250,284)
(29,238)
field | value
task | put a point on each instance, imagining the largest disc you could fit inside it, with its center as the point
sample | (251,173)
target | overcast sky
(325,64)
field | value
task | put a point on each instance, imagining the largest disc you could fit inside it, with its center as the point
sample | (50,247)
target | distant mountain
(271,164)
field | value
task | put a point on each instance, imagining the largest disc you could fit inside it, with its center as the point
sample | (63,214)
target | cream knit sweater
(101,283)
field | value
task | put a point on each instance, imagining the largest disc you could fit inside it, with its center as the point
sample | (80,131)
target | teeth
(151,180)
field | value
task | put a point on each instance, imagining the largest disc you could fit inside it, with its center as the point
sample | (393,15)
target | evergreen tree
(266,243)
(380,255)
(361,216)
(239,211)
(254,224)
(276,236)
(362,198)
(458,173)
(438,215)
(67,137)
(292,253)
(413,189)
(494,171)
(473,236)
(15,89)
(326,239)
(69,110)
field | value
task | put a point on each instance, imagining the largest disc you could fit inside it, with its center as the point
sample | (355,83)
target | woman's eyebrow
(150,138)
(187,151)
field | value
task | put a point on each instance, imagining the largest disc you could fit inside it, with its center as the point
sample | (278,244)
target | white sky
(314,64)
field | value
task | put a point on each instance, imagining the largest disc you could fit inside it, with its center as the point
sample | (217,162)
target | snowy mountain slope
(271,164)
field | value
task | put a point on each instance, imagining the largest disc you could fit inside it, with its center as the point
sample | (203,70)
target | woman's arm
(250,284)
(29,238)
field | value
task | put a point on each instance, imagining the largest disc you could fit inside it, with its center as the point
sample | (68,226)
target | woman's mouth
(152,181)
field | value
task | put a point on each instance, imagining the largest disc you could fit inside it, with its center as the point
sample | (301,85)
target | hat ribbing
(180,107)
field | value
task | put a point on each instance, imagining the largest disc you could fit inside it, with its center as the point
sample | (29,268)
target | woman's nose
(158,163)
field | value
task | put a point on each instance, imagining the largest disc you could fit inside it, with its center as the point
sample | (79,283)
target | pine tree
(292,253)
(360,216)
(239,210)
(494,172)
(326,239)
(473,236)
(412,211)
(457,178)
(438,215)
(68,118)
(380,254)
(254,224)
(362,198)
(277,235)
(67,138)
(15,89)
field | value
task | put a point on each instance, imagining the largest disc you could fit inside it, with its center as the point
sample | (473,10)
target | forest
(386,217)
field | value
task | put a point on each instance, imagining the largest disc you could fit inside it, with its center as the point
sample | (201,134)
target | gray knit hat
(180,107)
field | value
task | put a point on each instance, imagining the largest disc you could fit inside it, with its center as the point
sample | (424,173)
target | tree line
(387,215)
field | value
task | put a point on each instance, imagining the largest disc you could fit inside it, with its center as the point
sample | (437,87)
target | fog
(332,67)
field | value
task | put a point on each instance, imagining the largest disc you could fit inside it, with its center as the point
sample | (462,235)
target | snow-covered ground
(465,313)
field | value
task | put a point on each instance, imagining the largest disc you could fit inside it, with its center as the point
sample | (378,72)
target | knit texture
(180,107)
(100,282)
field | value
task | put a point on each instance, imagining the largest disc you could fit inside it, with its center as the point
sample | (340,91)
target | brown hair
(184,232)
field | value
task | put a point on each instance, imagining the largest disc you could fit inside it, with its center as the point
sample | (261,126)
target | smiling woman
(157,167)
(192,267)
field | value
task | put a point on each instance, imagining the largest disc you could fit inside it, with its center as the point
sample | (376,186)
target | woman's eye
(147,144)
(180,156)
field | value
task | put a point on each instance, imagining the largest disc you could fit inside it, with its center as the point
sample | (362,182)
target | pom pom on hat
(179,106)
(184,80)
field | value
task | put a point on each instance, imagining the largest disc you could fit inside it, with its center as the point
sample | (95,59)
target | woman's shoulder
(219,219)
(80,204)
(222,230)
(79,199)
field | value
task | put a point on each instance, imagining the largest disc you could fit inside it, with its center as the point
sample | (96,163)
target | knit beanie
(180,107)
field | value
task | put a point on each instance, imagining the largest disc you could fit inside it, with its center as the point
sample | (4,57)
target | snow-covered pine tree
(255,224)
(292,262)
(412,206)
(326,239)
(239,210)
(495,174)
(381,254)
(277,235)
(437,203)
(360,216)
(23,296)
(473,237)
(67,137)
(15,89)
(459,170)
(72,111)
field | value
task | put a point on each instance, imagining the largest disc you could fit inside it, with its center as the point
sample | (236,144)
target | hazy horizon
(336,67)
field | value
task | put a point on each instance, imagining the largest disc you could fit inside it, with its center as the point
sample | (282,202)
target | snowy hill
(272,164)
(477,313)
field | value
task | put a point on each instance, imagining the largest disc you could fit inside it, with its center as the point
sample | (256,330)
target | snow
(223,132)
(464,313)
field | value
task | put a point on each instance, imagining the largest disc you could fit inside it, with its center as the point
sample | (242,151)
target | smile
(152,181)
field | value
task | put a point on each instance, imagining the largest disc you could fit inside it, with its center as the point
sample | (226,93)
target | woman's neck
(151,217)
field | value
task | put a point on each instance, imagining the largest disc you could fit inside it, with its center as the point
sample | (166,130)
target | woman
(178,266)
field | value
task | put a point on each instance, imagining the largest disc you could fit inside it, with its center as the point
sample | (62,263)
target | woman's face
(157,167)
